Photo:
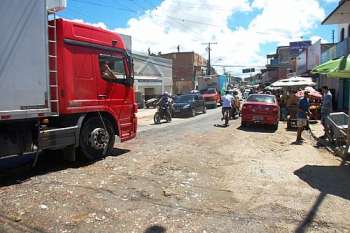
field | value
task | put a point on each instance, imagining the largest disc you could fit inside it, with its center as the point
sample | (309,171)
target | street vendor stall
(294,82)
(315,99)
(293,88)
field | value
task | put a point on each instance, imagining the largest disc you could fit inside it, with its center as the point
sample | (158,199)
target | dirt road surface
(187,176)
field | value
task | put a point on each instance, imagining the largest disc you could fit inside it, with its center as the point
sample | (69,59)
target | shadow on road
(47,163)
(257,129)
(221,125)
(155,229)
(328,179)
(332,180)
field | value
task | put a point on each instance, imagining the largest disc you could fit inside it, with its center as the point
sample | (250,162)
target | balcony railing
(340,49)
(329,54)
(343,47)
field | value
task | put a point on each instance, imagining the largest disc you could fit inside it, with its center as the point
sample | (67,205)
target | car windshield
(184,99)
(208,91)
(262,99)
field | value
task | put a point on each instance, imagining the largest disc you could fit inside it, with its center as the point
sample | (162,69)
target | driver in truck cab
(107,73)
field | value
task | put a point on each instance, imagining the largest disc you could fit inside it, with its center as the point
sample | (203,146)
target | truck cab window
(112,68)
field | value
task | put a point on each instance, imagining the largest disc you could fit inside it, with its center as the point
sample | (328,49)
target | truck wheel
(96,138)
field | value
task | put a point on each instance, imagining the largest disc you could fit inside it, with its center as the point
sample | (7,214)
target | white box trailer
(24,74)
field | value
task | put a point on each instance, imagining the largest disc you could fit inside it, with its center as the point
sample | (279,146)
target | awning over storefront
(327,67)
(336,68)
(343,69)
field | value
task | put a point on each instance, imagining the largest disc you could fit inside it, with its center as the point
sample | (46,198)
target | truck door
(117,95)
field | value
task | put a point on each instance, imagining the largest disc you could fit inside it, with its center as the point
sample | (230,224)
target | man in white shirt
(226,103)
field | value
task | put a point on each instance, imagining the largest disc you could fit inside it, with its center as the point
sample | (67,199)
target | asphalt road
(190,175)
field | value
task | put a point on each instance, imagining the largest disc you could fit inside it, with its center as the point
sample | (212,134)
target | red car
(261,109)
(211,97)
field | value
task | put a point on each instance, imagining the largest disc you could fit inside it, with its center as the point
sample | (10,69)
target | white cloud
(189,23)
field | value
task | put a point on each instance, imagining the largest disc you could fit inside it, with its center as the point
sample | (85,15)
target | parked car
(189,104)
(260,109)
(151,103)
(246,93)
(211,97)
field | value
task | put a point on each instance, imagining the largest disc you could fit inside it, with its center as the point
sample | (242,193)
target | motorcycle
(163,113)
(235,110)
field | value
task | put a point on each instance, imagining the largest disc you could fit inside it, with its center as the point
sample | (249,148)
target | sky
(245,30)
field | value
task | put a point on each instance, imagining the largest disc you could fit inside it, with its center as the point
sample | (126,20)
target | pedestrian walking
(326,107)
(302,115)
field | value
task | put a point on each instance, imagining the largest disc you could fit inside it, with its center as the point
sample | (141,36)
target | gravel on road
(191,175)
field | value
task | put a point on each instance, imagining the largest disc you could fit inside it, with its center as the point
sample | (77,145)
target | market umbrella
(327,67)
(342,70)
(312,92)
(294,82)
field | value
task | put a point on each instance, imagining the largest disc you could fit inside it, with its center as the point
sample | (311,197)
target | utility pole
(209,61)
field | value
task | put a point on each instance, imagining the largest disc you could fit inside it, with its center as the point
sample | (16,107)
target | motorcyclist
(164,103)
(226,103)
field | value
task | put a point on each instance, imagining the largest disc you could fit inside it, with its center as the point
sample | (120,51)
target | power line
(104,5)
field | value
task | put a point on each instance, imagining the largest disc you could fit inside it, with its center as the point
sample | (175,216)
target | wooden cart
(336,125)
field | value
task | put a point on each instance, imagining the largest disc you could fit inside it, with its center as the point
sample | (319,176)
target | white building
(153,75)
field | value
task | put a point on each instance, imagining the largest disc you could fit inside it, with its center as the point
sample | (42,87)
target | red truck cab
(66,85)
(107,103)
(211,97)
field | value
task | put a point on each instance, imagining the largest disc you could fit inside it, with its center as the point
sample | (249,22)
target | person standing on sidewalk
(302,115)
(326,107)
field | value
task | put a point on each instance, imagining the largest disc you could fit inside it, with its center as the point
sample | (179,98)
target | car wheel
(193,112)
(244,124)
(97,137)
(204,109)
(275,127)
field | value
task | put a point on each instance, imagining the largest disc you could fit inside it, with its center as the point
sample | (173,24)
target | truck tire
(96,138)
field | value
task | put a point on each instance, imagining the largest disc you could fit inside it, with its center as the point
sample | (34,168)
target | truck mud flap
(59,138)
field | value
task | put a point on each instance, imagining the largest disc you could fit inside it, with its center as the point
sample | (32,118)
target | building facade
(340,86)
(187,66)
(153,76)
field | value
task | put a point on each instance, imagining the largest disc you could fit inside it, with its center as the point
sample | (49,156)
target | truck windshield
(112,67)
